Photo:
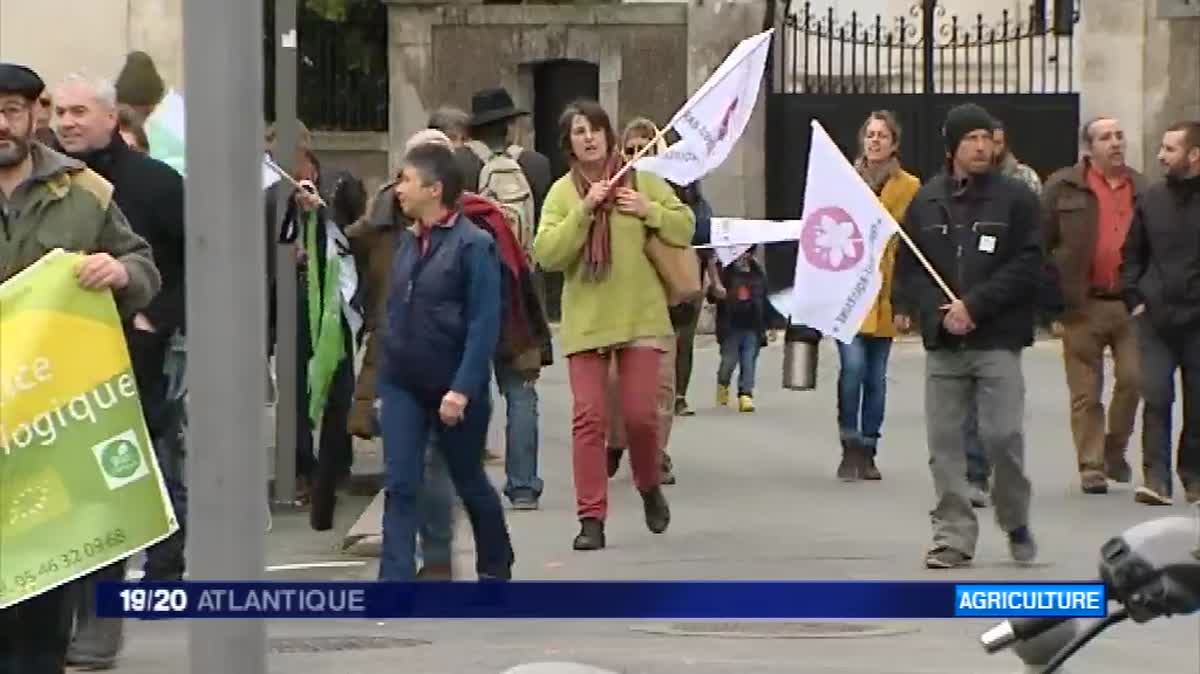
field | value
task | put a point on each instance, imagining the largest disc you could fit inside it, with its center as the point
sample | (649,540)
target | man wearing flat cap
(980,232)
(48,201)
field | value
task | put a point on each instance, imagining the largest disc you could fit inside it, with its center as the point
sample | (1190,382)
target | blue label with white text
(1031,601)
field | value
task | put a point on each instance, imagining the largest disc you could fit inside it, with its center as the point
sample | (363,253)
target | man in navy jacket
(440,334)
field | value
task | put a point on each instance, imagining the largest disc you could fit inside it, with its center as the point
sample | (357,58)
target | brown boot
(1115,466)
(851,467)
(436,571)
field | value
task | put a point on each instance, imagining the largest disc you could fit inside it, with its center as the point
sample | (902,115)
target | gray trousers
(991,383)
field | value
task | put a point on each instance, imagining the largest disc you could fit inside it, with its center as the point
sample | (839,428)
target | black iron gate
(918,65)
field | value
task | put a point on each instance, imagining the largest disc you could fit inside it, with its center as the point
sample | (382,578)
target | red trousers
(638,373)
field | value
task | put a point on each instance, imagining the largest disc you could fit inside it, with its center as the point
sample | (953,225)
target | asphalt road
(756,499)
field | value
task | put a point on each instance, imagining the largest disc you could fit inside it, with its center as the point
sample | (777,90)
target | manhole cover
(775,630)
(333,644)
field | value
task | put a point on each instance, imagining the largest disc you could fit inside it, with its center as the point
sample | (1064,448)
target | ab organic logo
(120,460)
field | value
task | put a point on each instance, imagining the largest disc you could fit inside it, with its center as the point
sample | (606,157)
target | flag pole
(642,152)
(912,245)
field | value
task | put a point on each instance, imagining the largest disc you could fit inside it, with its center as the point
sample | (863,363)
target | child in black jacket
(740,293)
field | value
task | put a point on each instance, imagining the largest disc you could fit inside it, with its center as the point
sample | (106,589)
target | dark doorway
(555,85)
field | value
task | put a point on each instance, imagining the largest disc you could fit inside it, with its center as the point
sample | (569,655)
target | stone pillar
(410,70)
(156,27)
(1110,44)
(1172,78)
(1139,68)
(737,188)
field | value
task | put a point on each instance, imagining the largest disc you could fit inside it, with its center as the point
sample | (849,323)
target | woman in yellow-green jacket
(594,230)
(862,379)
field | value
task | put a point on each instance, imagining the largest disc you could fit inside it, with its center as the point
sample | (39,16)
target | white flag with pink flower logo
(842,240)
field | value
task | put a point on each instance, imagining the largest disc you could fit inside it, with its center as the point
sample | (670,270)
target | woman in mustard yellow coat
(862,379)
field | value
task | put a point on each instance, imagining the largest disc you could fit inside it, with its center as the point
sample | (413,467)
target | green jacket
(631,303)
(64,204)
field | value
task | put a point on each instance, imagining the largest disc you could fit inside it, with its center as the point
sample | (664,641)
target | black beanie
(964,119)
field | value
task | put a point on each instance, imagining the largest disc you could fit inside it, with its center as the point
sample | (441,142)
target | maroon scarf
(597,253)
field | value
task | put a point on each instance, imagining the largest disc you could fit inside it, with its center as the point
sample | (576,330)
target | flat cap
(20,80)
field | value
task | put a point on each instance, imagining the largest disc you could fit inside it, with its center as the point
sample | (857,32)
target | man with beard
(979,231)
(1161,281)
(150,193)
(74,210)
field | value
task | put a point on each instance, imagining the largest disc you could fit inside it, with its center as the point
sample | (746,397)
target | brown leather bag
(678,266)
(678,269)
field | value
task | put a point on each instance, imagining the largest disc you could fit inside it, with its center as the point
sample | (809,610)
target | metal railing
(817,53)
(342,81)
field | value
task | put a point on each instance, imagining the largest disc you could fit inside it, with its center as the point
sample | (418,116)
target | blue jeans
(979,468)
(862,388)
(408,428)
(521,435)
(436,505)
(739,350)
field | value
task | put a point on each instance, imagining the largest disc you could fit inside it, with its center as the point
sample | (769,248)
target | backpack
(503,181)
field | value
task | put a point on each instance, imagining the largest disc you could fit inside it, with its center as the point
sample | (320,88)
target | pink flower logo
(831,240)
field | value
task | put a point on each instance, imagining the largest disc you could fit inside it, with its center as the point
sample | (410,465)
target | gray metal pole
(226,327)
(285,260)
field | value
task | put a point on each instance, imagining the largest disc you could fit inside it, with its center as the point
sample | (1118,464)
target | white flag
(845,233)
(733,236)
(713,119)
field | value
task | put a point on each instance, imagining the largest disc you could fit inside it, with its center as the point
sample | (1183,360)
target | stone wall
(1139,68)
(442,53)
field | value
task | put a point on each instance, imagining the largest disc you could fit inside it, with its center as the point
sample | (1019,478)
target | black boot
(591,534)
(658,513)
(614,459)
(324,500)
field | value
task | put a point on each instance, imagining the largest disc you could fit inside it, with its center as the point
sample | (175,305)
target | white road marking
(138,574)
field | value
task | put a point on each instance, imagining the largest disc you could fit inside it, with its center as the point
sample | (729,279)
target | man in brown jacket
(1086,209)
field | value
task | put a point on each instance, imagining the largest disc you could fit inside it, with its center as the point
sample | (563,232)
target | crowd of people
(438,280)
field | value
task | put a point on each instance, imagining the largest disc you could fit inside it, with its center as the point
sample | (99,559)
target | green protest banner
(79,485)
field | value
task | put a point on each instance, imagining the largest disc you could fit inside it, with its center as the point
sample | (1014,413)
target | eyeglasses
(632,150)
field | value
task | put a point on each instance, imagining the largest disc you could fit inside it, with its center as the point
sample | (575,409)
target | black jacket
(150,194)
(983,240)
(1161,256)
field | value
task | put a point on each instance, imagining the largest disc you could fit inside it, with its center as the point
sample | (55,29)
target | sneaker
(667,476)
(1093,483)
(722,395)
(1021,545)
(1152,495)
(946,558)
(978,495)
(682,409)
(745,403)
(1192,493)
(524,502)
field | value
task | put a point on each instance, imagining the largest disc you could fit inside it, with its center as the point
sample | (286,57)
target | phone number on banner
(69,561)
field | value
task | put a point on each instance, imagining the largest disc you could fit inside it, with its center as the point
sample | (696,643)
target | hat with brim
(20,80)
(493,105)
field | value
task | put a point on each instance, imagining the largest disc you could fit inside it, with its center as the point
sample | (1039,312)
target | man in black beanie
(979,231)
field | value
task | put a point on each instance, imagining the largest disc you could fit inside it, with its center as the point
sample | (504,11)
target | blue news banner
(601,600)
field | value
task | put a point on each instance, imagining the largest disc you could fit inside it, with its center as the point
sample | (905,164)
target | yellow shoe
(745,403)
(722,395)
